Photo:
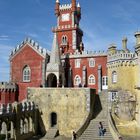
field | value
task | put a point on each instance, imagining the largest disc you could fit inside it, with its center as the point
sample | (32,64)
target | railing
(84,125)
(126,56)
(112,127)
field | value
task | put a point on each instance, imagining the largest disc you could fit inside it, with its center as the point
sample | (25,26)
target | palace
(32,66)
(52,93)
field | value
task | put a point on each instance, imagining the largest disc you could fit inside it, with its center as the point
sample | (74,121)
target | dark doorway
(53,119)
(51,80)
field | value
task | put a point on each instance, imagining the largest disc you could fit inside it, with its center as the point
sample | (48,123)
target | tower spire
(55,53)
(57,4)
(73,5)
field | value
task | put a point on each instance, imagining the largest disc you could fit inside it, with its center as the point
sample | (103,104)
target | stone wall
(72,106)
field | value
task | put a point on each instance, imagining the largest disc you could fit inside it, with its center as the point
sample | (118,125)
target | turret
(73,5)
(112,49)
(124,44)
(57,12)
(137,46)
(137,35)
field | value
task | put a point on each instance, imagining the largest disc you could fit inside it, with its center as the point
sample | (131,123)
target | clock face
(65,17)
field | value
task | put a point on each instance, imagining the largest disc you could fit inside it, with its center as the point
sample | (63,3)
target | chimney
(124,43)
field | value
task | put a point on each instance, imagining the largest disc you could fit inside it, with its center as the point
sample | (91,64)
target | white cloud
(4,37)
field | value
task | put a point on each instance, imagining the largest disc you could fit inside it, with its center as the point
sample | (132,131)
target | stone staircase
(92,131)
(51,134)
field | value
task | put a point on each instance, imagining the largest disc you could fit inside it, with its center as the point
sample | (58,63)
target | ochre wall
(72,106)
(126,78)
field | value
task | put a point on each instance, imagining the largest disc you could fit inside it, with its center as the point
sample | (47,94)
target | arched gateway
(52,80)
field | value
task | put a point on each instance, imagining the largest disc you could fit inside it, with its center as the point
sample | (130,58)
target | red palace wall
(7,96)
(99,60)
(26,57)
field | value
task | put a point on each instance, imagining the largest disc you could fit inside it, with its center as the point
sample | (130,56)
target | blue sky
(103,22)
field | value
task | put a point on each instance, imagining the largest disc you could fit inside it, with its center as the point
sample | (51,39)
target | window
(113,95)
(26,74)
(77,80)
(77,63)
(91,62)
(91,80)
(104,80)
(64,40)
(114,77)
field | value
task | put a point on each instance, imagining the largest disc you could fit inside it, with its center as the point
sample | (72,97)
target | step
(92,131)
(51,133)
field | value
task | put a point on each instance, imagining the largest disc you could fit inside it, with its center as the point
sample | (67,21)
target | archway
(53,119)
(51,80)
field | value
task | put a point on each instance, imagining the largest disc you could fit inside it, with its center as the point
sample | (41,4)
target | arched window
(114,77)
(64,40)
(77,80)
(26,74)
(91,80)
(91,62)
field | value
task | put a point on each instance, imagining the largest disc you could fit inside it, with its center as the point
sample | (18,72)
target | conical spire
(55,53)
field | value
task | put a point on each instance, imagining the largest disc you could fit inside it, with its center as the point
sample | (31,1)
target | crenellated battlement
(121,56)
(77,54)
(65,7)
(5,86)
(67,27)
(31,42)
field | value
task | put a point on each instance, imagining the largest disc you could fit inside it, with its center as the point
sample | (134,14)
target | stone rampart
(71,107)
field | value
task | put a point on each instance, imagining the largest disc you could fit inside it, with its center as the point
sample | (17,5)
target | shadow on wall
(41,126)
(97,108)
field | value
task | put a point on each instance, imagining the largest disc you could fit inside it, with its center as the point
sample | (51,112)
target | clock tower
(67,29)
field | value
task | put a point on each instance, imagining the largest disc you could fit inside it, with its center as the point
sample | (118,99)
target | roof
(31,43)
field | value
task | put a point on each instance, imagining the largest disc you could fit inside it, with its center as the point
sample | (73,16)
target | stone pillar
(74,39)
(73,19)
(12,131)
(84,76)
(124,43)
(137,50)
(63,80)
(57,80)
(70,77)
(99,78)
(58,20)
(43,73)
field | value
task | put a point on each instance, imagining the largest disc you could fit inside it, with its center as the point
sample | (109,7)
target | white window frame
(77,80)
(105,82)
(114,94)
(77,63)
(64,40)
(114,77)
(91,62)
(91,80)
(26,74)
